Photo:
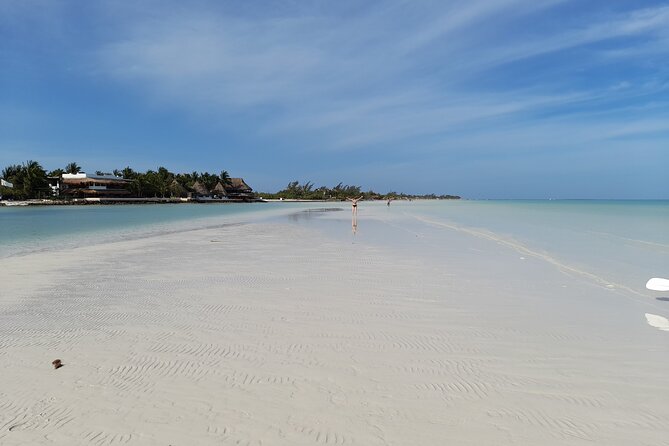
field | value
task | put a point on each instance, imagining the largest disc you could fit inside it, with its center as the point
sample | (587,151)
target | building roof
(84,175)
(199,188)
(219,190)
(177,189)
(238,185)
(95,180)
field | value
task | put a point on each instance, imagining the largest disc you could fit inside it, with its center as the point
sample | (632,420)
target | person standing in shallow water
(354,204)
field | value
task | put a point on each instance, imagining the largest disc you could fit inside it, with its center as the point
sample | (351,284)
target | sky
(478,98)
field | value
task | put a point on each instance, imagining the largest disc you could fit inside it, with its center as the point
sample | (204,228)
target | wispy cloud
(367,76)
(650,24)
(380,78)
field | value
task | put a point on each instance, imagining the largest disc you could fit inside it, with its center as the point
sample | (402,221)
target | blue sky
(481,98)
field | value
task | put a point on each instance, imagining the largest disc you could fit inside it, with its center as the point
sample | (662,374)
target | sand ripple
(277,335)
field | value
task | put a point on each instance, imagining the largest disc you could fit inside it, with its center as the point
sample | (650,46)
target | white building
(84,185)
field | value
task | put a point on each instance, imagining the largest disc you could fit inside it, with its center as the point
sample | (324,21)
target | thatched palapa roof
(95,180)
(219,190)
(177,189)
(199,188)
(238,184)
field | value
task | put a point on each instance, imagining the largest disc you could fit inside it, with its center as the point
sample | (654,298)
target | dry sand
(277,334)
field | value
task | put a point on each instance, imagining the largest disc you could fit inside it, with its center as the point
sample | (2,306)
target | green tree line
(306,191)
(163,183)
(30,180)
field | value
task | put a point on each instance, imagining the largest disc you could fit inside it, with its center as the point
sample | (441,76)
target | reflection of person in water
(354,204)
(354,224)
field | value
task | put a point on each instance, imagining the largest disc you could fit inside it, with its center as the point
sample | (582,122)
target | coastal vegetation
(163,183)
(30,180)
(306,191)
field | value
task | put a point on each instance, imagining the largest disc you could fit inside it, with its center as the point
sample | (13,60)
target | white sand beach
(295,333)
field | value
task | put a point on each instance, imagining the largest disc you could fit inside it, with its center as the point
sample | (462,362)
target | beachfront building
(82,185)
(54,185)
(237,189)
(219,191)
(199,190)
(178,190)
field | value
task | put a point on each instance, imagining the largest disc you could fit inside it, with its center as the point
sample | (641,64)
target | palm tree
(208,180)
(128,173)
(14,175)
(135,188)
(34,182)
(165,180)
(72,168)
(10,172)
(307,188)
(225,177)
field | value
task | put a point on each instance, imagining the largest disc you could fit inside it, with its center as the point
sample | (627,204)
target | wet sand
(299,333)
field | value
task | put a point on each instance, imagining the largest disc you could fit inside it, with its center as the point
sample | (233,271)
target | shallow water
(29,229)
(620,242)
(623,242)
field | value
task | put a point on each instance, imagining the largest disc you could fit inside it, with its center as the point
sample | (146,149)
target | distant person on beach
(354,204)
(389,200)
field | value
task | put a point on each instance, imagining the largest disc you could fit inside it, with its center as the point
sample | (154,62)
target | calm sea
(622,241)
(28,229)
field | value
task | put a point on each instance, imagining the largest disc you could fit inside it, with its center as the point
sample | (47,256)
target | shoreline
(156,200)
(92,235)
(121,201)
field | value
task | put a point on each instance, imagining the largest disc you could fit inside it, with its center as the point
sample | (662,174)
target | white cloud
(402,82)
(380,77)
(424,81)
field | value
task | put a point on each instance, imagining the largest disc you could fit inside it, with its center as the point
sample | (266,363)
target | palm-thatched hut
(177,189)
(219,191)
(238,189)
(199,190)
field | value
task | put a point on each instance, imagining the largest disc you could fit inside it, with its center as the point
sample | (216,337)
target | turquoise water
(28,229)
(621,241)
